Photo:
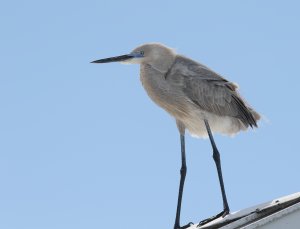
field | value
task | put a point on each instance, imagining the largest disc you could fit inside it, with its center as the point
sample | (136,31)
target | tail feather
(246,114)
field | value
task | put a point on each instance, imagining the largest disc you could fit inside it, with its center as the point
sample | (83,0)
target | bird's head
(157,55)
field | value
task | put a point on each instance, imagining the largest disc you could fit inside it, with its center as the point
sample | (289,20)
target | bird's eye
(142,52)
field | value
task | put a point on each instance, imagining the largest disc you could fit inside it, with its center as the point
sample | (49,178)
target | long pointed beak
(114,59)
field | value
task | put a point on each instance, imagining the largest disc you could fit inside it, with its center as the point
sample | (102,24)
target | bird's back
(192,92)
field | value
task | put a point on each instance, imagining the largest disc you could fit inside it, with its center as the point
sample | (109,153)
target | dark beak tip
(95,62)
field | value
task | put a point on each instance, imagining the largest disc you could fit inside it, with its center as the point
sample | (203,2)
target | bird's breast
(162,92)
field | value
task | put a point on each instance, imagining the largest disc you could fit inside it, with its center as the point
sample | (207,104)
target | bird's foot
(185,226)
(221,214)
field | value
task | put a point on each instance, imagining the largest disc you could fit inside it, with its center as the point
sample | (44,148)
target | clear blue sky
(82,146)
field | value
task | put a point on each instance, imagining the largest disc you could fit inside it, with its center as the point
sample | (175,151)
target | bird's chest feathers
(163,92)
(154,83)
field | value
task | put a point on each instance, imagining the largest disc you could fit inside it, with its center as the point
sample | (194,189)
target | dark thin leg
(182,179)
(216,157)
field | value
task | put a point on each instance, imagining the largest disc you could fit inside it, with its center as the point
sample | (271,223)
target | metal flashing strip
(253,214)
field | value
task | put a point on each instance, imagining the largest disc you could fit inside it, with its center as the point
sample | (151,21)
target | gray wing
(210,91)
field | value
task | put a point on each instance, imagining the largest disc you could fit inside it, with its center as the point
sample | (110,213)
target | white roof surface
(283,212)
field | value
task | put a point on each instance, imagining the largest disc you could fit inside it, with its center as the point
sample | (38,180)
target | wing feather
(210,91)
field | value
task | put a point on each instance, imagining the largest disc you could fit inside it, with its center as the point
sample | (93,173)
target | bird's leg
(216,157)
(182,179)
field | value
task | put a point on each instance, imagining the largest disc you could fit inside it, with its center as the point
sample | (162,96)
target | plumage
(191,92)
(211,92)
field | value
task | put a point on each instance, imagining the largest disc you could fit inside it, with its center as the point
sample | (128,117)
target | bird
(201,101)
